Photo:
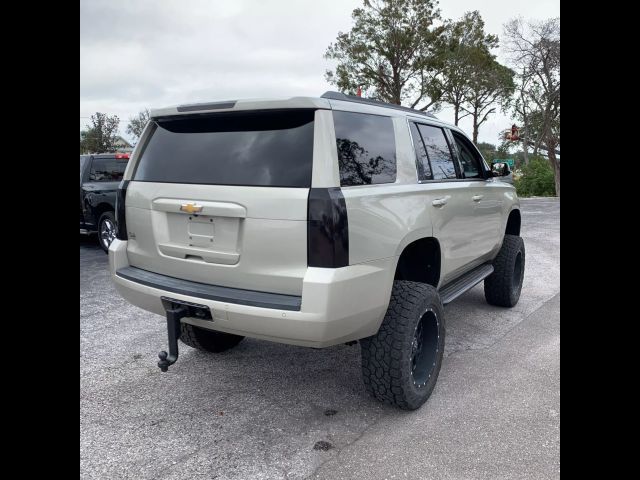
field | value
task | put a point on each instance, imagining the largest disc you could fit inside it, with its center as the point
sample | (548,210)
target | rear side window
(107,170)
(269,149)
(438,152)
(366,148)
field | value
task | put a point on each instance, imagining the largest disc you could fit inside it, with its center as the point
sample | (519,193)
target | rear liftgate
(177,310)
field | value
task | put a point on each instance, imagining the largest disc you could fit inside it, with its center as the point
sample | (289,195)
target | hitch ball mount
(175,311)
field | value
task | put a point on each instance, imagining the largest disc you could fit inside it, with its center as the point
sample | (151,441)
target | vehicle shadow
(90,241)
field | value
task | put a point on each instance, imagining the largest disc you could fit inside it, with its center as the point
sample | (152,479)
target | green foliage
(488,151)
(137,123)
(101,136)
(533,48)
(392,51)
(401,51)
(491,85)
(537,179)
(467,47)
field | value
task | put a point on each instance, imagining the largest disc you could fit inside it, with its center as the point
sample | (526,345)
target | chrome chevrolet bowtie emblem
(191,208)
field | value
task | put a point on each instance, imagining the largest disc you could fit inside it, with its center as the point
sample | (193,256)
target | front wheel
(106,230)
(502,288)
(400,364)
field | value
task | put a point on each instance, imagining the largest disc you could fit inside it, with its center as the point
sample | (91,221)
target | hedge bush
(537,179)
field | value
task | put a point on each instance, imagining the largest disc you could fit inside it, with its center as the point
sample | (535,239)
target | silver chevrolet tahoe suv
(314,222)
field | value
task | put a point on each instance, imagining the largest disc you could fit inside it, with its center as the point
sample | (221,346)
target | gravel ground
(265,410)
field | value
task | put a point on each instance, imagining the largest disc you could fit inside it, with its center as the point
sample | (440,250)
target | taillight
(121,222)
(327,229)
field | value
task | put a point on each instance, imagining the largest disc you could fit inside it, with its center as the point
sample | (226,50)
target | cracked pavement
(258,410)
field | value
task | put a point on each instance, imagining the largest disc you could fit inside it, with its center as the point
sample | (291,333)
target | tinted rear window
(366,148)
(107,170)
(273,148)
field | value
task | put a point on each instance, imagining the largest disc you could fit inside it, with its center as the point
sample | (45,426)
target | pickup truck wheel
(502,288)
(106,230)
(400,364)
(207,340)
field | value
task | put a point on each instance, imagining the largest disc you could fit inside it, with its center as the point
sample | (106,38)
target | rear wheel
(401,363)
(502,288)
(106,230)
(207,340)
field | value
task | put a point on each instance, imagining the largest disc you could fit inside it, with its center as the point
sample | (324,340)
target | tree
(519,103)
(101,136)
(488,151)
(137,123)
(534,49)
(536,179)
(491,83)
(393,50)
(466,44)
(550,138)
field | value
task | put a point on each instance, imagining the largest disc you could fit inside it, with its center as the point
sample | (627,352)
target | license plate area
(217,233)
(195,310)
(201,231)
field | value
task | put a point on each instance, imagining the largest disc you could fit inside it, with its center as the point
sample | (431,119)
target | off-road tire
(207,340)
(502,288)
(387,357)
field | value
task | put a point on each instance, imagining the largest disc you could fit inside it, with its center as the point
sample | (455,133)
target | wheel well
(513,223)
(420,262)
(100,209)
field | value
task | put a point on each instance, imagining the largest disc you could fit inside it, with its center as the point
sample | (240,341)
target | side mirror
(501,171)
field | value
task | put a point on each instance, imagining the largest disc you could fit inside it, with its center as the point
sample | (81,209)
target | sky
(150,54)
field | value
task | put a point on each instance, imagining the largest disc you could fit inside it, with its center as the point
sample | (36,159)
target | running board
(466,282)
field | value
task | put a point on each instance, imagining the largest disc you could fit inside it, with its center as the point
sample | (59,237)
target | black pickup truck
(100,175)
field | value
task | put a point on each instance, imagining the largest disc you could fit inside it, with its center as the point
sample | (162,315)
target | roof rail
(331,95)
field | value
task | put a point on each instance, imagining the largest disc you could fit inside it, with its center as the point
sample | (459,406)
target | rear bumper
(337,305)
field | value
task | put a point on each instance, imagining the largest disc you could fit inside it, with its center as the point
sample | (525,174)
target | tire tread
(498,288)
(384,355)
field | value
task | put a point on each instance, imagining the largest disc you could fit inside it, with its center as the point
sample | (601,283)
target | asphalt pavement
(270,411)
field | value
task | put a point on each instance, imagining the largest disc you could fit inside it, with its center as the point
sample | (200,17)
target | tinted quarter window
(269,148)
(107,170)
(438,152)
(366,148)
(470,160)
(424,168)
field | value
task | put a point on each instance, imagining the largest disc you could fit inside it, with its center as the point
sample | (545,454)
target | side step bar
(454,289)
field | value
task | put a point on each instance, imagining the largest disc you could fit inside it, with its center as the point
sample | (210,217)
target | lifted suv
(314,222)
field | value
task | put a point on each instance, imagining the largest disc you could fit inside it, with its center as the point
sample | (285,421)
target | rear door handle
(439,202)
(477,198)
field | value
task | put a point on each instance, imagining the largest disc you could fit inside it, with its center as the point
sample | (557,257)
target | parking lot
(258,410)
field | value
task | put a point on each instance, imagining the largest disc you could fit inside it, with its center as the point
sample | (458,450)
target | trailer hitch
(176,310)
(174,313)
